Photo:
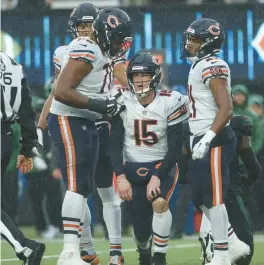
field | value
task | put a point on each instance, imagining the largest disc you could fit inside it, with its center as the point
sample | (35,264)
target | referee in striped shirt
(16,107)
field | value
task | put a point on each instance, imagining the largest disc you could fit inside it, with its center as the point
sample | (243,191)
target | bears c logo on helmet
(112,21)
(215,30)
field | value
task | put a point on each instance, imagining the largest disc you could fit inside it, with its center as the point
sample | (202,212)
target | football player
(77,100)
(237,212)
(80,23)
(213,141)
(148,134)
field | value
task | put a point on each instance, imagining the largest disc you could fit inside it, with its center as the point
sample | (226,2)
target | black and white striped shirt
(16,102)
(11,86)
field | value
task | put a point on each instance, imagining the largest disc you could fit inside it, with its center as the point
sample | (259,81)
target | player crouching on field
(148,135)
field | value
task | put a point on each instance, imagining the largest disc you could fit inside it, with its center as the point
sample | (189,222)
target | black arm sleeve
(116,141)
(174,138)
(27,118)
(249,158)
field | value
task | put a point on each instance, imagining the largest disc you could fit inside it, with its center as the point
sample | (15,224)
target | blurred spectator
(240,103)
(255,106)
(8,4)
(235,1)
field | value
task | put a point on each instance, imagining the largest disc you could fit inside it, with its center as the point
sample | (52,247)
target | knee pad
(160,205)
(107,195)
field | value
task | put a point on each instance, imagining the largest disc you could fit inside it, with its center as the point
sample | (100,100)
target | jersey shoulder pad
(213,67)
(175,106)
(58,54)
(242,124)
(83,49)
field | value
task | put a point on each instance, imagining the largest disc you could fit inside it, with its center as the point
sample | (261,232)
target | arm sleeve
(27,119)
(249,158)
(116,142)
(214,68)
(174,138)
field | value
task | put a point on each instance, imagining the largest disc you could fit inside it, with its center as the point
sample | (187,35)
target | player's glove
(201,149)
(108,106)
(39,149)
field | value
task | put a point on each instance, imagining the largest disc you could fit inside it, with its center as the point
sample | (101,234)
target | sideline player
(77,100)
(213,141)
(148,133)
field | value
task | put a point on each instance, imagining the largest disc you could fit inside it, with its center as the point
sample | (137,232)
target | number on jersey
(142,133)
(192,101)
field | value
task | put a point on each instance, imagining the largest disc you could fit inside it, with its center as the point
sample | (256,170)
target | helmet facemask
(142,83)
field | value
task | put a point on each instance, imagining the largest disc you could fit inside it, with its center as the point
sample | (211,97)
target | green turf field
(180,252)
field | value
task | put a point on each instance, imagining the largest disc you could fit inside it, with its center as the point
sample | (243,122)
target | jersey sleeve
(83,49)
(177,110)
(214,68)
(57,56)
(120,60)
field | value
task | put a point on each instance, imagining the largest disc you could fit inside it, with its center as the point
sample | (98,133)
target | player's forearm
(71,97)
(120,74)
(222,117)
(42,123)
(174,153)
(115,149)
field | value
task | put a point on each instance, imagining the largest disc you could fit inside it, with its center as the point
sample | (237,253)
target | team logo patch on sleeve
(182,110)
(213,72)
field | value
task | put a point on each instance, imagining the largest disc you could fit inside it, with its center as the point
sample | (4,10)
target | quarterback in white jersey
(213,142)
(147,134)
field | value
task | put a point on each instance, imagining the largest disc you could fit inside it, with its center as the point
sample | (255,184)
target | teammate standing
(75,106)
(148,133)
(213,141)
(16,107)
(237,212)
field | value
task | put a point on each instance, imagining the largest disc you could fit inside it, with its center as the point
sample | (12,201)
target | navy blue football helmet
(210,32)
(113,32)
(83,13)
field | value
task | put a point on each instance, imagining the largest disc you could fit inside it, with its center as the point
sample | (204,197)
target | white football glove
(38,150)
(201,149)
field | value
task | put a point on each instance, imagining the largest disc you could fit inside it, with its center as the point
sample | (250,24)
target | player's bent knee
(160,205)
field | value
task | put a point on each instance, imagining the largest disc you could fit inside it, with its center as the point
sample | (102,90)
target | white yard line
(106,251)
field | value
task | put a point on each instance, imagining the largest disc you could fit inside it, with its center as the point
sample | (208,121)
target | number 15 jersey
(146,127)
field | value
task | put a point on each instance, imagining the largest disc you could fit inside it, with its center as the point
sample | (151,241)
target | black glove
(108,106)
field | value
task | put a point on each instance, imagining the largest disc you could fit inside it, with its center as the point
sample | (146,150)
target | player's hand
(25,164)
(200,150)
(56,173)
(112,106)
(39,149)
(124,188)
(153,188)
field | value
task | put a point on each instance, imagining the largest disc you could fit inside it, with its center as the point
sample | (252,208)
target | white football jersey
(202,105)
(146,127)
(96,84)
